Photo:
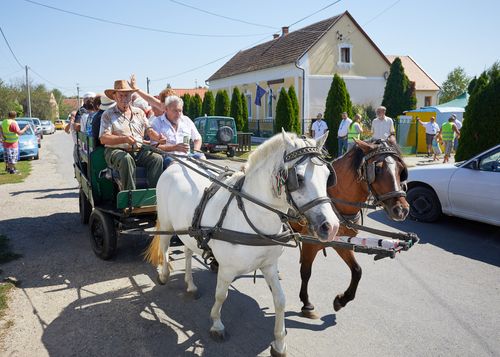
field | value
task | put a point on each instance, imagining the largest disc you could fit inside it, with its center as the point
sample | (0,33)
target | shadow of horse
(478,241)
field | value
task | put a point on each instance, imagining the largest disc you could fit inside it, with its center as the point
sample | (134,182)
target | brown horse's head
(380,166)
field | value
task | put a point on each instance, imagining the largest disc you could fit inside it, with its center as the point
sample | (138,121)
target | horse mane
(273,150)
(357,154)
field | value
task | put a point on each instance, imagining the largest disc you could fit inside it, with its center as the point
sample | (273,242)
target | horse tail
(153,254)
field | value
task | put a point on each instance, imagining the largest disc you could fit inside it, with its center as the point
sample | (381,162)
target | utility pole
(77,96)
(147,83)
(28,89)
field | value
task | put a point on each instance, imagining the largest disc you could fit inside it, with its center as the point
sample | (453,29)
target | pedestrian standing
(342,134)
(10,132)
(431,130)
(382,126)
(448,132)
(354,132)
(319,127)
(458,123)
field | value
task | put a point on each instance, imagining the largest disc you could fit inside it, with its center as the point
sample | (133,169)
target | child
(436,148)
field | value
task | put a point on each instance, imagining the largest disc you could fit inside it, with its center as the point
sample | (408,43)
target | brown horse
(375,169)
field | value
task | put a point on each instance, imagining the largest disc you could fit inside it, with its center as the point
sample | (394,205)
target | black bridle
(292,183)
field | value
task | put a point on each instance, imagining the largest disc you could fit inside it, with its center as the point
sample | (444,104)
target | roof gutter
(303,94)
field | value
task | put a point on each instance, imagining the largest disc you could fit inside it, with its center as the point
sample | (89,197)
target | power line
(137,26)
(221,16)
(314,13)
(8,45)
(46,80)
(12,73)
(382,12)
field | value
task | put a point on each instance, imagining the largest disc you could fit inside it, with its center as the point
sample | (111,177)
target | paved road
(442,298)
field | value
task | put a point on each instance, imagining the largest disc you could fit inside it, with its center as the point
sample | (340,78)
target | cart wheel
(85,207)
(102,234)
(230,152)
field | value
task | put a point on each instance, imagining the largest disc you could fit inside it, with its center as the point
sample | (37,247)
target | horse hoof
(195,294)
(218,336)
(337,305)
(310,314)
(275,353)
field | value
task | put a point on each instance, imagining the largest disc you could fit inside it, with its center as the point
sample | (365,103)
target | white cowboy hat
(106,103)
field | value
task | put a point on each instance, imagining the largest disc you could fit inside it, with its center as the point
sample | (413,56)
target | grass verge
(24,167)
(6,255)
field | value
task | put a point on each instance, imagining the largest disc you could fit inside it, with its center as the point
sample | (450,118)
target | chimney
(284,30)
(275,36)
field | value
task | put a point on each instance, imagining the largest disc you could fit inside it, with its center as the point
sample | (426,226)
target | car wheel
(230,152)
(85,207)
(225,134)
(37,156)
(102,234)
(424,204)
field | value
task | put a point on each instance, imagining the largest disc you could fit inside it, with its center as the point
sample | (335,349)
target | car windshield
(46,122)
(27,132)
(36,121)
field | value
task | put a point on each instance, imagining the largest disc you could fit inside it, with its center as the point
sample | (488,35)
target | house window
(427,101)
(249,105)
(269,106)
(345,55)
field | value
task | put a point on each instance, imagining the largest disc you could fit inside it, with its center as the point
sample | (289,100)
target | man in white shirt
(458,124)
(382,126)
(431,130)
(177,129)
(319,127)
(342,134)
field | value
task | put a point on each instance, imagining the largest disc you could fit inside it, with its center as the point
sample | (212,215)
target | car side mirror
(474,164)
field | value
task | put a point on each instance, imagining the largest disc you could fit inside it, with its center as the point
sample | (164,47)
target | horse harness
(292,184)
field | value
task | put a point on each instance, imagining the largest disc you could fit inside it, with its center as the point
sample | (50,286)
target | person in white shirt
(178,131)
(458,124)
(319,127)
(342,134)
(382,126)
(431,130)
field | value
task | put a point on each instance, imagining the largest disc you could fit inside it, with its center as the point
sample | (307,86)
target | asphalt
(438,299)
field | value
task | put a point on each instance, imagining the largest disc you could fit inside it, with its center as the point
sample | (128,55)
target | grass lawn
(24,167)
(238,155)
(6,255)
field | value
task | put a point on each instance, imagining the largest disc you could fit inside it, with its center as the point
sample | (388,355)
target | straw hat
(106,103)
(121,85)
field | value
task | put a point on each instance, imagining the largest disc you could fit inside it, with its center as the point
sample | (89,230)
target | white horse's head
(298,182)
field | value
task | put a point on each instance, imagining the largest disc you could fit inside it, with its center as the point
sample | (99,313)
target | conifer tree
(337,102)
(195,106)
(284,112)
(296,127)
(396,98)
(186,98)
(244,112)
(222,105)
(236,110)
(481,125)
(208,104)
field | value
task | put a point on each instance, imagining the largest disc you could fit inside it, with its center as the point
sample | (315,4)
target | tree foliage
(195,107)
(186,98)
(455,84)
(237,110)
(481,125)
(337,102)
(244,112)
(296,127)
(398,93)
(222,105)
(208,104)
(284,112)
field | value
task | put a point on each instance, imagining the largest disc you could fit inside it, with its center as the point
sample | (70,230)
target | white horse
(179,191)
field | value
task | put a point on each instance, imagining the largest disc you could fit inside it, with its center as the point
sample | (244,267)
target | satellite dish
(386,75)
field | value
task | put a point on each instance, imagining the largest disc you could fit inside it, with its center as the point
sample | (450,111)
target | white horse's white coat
(179,191)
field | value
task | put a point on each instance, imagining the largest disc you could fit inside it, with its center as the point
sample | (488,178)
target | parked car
(59,125)
(48,127)
(218,134)
(28,143)
(37,129)
(468,189)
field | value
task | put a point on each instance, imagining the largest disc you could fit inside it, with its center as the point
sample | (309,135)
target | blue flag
(259,94)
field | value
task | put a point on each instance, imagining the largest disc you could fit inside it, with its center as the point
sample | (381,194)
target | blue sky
(65,49)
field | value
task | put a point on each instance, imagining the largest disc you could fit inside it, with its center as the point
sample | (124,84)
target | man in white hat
(83,111)
(122,131)
(104,103)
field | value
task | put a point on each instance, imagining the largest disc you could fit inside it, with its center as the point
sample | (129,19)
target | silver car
(48,127)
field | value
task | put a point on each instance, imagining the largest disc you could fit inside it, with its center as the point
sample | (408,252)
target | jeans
(342,145)
(167,160)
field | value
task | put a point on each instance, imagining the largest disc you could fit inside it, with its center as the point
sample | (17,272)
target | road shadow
(478,241)
(45,190)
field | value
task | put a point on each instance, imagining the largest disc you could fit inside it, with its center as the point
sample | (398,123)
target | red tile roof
(181,91)
(415,73)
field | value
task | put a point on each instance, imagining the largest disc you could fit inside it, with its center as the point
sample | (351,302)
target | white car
(468,189)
